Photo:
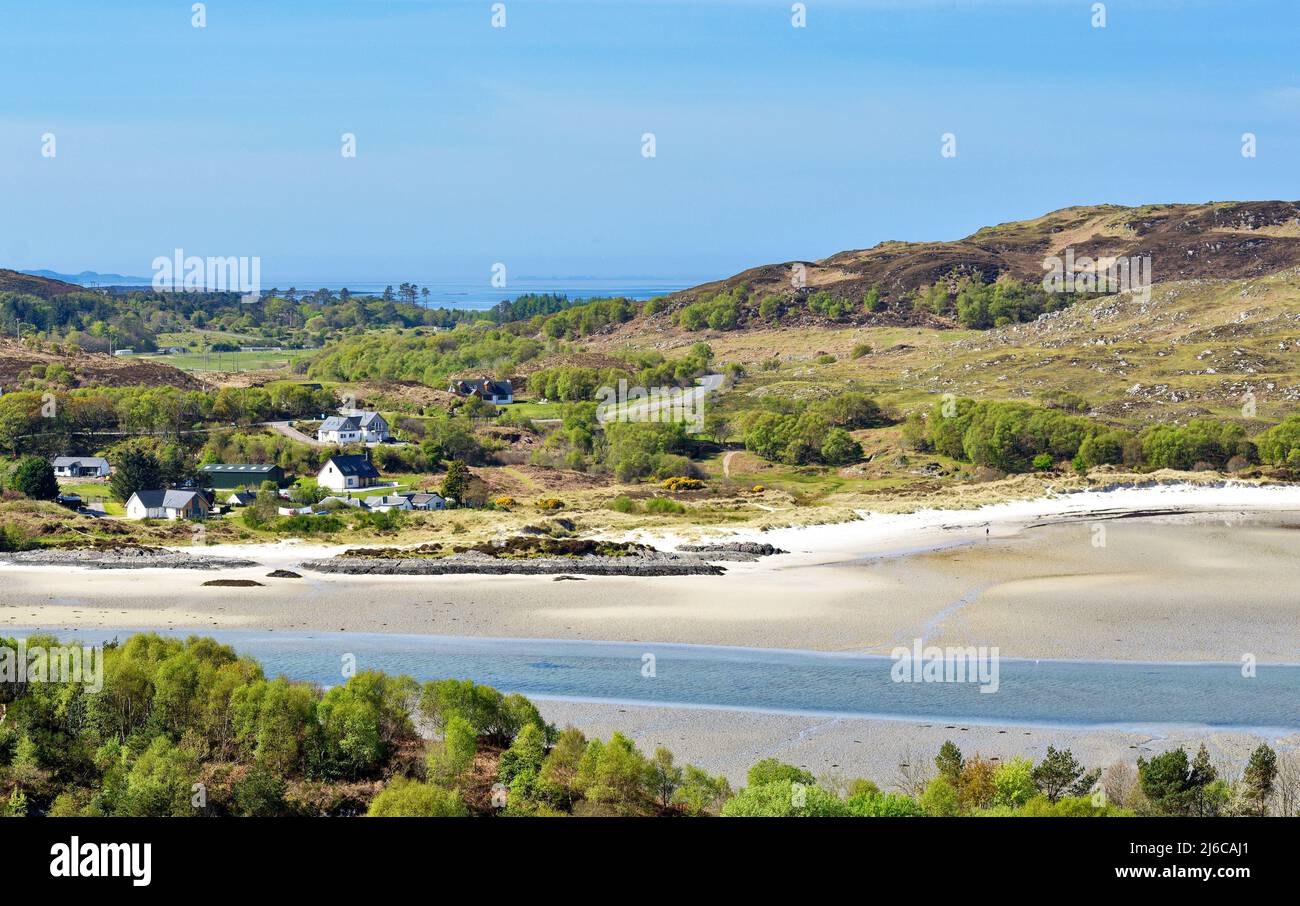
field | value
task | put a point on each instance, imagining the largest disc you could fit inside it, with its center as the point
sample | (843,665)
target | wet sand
(728,742)
(1058,578)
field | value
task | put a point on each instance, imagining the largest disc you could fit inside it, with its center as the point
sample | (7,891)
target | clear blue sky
(523,145)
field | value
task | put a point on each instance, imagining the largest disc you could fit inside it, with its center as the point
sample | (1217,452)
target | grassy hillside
(1216,240)
(1197,347)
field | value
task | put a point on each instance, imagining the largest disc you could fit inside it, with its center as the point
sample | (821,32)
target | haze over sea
(481,294)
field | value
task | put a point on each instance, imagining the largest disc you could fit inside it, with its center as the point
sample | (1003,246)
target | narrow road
(707,384)
(293,433)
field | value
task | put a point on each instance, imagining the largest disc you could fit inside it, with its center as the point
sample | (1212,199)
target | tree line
(190,728)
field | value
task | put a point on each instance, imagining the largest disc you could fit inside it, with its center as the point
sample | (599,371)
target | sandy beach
(1061,577)
(1153,574)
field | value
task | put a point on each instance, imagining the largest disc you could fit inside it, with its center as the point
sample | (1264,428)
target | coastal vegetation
(190,728)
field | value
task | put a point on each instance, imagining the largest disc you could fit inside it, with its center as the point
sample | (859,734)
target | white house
(167,504)
(80,467)
(359,427)
(384,504)
(426,501)
(347,473)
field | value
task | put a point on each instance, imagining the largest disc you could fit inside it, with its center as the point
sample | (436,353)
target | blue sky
(522,145)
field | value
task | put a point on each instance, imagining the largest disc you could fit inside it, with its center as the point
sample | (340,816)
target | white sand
(1212,586)
(1214,589)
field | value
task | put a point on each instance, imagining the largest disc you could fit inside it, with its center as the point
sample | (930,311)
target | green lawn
(534,410)
(93,490)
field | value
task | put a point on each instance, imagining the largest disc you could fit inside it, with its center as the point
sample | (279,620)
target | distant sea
(483,295)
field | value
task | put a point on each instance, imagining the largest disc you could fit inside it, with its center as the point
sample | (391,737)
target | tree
(260,794)
(619,773)
(1060,774)
(1013,782)
(456,480)
(665,777)
(700,793)
(459,745)
(1166,781)
(940,799)
(1260,778)
(405,798)
(784,799)
(34,477)
(769,770)
(975,786)
(949,761)
(160,783)
(840,448)
(136,470)
(560,769)
(525,754)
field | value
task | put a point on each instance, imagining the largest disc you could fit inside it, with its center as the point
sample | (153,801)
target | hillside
(89,369)
(1224,240)
(44,287)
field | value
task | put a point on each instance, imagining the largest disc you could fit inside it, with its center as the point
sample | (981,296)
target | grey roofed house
(485,389)
(341,423)
(334,502)
(382,504)
(426,501)
(169,499)
(78,466)
(167,504)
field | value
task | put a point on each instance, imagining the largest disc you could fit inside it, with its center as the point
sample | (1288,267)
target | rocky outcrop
(655,564)
(752,548)
(123,558)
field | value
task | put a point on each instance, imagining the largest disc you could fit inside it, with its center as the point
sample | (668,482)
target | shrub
(840,448)
(661,505)
(548,503)
(404,798)
(781,799)
(623,504)
(1043,462)
(681,483)
(505,503)
(825,359)
(862,349)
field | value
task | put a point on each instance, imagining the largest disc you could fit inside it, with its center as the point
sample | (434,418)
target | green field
(227,361)
(95,490)
(534,411)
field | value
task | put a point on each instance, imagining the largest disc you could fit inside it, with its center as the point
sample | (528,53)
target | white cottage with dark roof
(347,473)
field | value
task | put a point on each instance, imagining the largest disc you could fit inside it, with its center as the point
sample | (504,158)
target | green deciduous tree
(34,477)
